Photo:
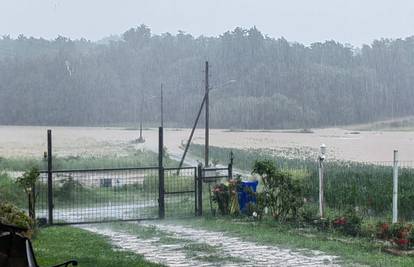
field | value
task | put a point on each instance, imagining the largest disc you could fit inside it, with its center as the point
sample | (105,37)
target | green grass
(54,245)
(351,250)
(135,159)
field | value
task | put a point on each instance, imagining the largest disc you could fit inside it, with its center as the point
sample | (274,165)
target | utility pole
(141,138)
(162,107)
(207,141)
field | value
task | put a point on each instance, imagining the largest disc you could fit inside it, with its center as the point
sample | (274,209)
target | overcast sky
(305,21)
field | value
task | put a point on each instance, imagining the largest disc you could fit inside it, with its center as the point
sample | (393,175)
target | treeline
(278,84)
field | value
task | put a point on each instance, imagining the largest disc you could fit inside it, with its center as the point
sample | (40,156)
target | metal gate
(105,195)
(100,195)
(120,194)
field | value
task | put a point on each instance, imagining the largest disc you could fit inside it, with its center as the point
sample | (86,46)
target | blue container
(245,196)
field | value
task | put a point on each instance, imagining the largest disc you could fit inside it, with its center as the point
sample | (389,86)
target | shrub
(253,210)
(28,182)
(349,223)
(221,196)
(308,213)
(68,189)
(10,214)
(226,197)
(9,192)
(281,194)
(383,231)
(400,234)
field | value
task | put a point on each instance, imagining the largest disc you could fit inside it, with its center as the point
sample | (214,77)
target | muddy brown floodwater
(368,146)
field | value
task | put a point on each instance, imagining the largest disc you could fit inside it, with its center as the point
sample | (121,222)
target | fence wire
(365,187)
(81,196)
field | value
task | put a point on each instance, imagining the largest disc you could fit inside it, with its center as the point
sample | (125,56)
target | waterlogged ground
(177,245)
(368,146)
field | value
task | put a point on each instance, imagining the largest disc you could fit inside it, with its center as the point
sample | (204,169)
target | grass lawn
(353,251)
(54,245)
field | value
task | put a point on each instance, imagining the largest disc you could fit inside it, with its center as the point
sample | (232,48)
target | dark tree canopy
(278,84)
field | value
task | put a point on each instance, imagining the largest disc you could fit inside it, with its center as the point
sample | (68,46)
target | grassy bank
(351,250)
(134,159)
(57,244)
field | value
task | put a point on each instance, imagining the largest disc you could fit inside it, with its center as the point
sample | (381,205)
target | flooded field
(371,146)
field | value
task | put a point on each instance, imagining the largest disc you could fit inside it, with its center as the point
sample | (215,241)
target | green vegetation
(269,232)
(10,214)
(366,187)
(57,244)
(279,84)
(280,193)
(10,192)
(136,159)
(28,182)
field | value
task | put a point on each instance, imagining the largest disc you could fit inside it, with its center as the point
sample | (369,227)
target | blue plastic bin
(244,196)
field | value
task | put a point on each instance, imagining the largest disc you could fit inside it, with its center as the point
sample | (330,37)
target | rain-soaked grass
(134,159)
(54,245)
(208,253)
(353,251)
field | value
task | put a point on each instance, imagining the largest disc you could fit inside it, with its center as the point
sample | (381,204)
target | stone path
(231,251)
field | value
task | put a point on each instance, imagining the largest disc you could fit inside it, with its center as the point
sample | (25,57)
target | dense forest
(278,84)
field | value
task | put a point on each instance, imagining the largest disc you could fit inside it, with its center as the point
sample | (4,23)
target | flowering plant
(383,231)
(401,235)
(349,223)
(221,197)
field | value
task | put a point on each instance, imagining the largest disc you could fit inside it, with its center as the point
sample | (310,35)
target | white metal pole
(321,200)
(395,189)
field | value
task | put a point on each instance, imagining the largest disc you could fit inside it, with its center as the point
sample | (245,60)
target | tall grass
(364,186)
(137,159)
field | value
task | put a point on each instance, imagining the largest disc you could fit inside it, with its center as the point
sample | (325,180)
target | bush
(309,213)
(349,224)
(281,194)
(28,182)
(68,189)
(221,197)
(400,234)
(10,192)
(226,197)
(383,231)
(10,214)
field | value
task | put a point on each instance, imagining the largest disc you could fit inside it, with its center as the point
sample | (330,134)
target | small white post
(321,187)
(395,189)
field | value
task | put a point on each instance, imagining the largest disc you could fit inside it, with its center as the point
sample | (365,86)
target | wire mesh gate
(120,194)
(104,195)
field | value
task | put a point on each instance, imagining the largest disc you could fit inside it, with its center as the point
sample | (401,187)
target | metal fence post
(231,165)
(395,189)
(321,194)
(200,190)
(195,191)
(161,182)
(49,177)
